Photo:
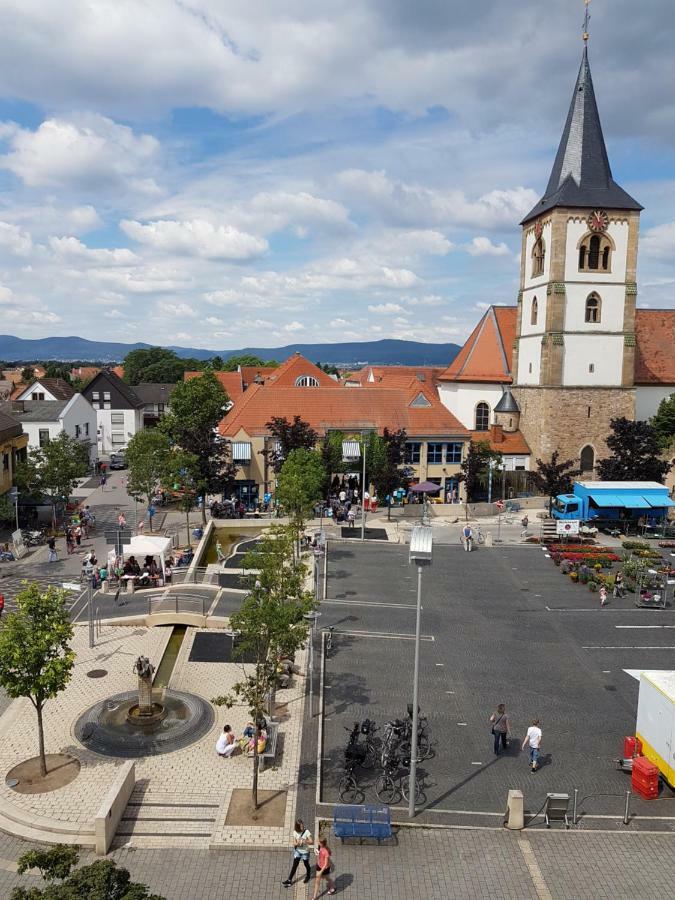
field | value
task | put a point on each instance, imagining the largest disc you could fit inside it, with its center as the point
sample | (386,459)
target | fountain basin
(146,717)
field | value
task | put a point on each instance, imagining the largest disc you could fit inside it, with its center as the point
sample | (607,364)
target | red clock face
(538,228)
(598,220)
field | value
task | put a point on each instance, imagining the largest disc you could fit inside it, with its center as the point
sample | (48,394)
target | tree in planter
(102,880)
(288,436)
(36,660)
(636,454)
(474,468)
(54,469)
(197,408)
(6,511)
(300,485)
(554,477)
(182,471)
(387,463)
(663,422)
(147,456)
(269,626)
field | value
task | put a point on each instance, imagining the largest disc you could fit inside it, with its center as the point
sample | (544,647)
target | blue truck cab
(614,501)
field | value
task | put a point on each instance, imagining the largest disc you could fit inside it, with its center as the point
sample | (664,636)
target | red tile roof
(512,443)
(486,355)
(295,367)
(231,381)
(655,346)
(85,373)
(396,376)
(249,373)
(347,409)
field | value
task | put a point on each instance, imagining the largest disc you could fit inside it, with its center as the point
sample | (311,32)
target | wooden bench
(369,821)
(271,746)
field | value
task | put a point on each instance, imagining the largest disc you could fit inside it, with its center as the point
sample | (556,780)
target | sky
(221,173)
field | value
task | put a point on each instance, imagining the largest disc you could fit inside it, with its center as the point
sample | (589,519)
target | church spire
(581,174)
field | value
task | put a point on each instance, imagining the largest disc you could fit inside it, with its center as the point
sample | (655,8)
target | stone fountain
(145,712)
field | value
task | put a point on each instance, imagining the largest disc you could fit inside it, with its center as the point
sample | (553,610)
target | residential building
(155,399)
(48,389)
(119,411)
(84,373)
(13,443)
(43,420)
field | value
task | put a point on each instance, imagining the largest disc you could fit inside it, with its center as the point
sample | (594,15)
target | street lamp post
(311,617)
(420,553)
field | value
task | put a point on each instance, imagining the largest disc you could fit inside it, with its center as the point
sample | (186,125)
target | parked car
(117,461)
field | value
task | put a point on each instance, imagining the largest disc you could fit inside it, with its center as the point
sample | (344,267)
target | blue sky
(222,174)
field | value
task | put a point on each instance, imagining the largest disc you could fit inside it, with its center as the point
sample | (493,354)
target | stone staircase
(162,819)
(548,529)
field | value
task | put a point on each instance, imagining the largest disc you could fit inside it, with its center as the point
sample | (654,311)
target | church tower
(574,353)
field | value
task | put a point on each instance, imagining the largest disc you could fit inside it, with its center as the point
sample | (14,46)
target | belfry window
(595,253)
(593,309)
(482,417)
(534,312)
(538,257)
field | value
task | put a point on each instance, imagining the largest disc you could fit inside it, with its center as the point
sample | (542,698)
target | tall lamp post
(421,542)
(351,451)
(311,617)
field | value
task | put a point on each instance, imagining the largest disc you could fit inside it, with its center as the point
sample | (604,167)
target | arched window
(587,460)
(593,308)
(595,253)
(482,417)
(538,257)
(306,381)
(534,312)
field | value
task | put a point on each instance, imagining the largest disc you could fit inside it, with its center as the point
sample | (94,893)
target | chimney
(497,434)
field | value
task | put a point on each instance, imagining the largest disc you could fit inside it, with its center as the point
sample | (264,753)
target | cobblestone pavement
(441,865)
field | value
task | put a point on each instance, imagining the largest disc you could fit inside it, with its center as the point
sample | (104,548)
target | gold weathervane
(587,19)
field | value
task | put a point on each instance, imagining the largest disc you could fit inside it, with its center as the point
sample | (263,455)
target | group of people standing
(501,729)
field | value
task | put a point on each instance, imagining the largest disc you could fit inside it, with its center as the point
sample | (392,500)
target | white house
(119,411)
(47,389)
(44,420)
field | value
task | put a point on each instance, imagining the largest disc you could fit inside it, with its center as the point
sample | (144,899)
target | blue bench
(370,821)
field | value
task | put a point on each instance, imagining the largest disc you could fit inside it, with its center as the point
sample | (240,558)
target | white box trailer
(656,721)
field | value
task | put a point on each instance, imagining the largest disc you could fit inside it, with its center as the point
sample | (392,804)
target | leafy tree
(28,375)
(36,660)
(269,626)
(157,365)
(295,435)
(386,462)
(182,471)
(301,483)
(663,422)
(102,880)
(636,454)
(328,368)
(247,359)
(197,408)
(554,477)
(217,363)
(474,468)
(57,370)
(331,453)
(147,457)
(7,510)
(54,469)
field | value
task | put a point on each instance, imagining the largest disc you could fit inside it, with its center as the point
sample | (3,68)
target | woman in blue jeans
(500,727)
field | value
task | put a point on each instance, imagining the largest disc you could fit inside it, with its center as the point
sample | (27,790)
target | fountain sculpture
(145,712)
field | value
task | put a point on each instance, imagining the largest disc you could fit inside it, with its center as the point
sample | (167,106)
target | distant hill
(380,353)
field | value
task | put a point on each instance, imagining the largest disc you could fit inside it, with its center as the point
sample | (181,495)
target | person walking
(122,520)
(603,595)
(2,605)
(78,535)
(51,543)
(323,868)
(500,727)
(533,738)
(618,585)
(351,517)
(70,541)
(467,537)
(103,480)
(302,841)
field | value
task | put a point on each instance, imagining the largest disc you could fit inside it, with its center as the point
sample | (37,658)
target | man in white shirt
(533,738)
(226,744)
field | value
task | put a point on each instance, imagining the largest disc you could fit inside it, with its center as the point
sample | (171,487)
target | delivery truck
(656,721)
(616,502)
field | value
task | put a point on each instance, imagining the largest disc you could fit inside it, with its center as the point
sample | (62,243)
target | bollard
(515,817)
(626,812)
(488,539)
(574,807)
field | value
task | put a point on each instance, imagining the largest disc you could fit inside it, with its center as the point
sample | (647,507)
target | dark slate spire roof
(581,174)
(507,403)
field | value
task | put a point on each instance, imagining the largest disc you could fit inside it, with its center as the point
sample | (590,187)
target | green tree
(182,471)
(197,408)
(147,457)
(157,365)
(554,477)
(269,626)
(386,461)
(247,359)
(636,453)
(474,468)
(36,660)
(6,510)
(28,375)
(300,485)
(102,880)
(57,370)
(663,422)
(217,363)
(54,469)
(288,436)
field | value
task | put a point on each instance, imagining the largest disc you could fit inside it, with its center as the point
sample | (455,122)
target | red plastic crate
(632,747)
(644,768)
(650,793)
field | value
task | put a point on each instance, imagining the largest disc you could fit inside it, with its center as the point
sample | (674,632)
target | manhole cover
(97,673)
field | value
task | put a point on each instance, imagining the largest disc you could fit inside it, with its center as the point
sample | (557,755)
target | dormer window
(595,253)
(306,381)
(538,257)
(534,312)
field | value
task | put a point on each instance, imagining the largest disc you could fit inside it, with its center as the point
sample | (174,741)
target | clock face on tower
(598,220)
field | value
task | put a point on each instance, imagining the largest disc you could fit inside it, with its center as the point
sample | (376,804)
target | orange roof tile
(249,373)
(346,409)
(396,376)
(513,443)
(295,367)
(118,370)
(231,382)
(655,346)
(84,372)
(486,355)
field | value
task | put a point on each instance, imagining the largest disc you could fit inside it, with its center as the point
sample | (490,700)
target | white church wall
(529,244)
(461,398)
(613,298)
(528,296)
(529,360)
(585,351)
(576,229)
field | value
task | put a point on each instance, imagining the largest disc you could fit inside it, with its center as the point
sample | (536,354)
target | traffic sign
(500,505)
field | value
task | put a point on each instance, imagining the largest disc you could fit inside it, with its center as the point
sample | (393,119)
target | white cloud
(70,248)
(88,152)
(483,246)
(14,241)
(31,316)
(177,310)
(385,309)
(659,242)
(294,326)
(196,238)
(303,210)
(6,294)
(113,314)
(214,320)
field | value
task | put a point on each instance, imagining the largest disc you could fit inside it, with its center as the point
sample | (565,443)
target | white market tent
(142,545)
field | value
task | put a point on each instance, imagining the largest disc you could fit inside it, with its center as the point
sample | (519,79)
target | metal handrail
(176,600)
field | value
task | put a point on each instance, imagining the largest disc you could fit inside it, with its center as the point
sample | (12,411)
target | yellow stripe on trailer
(667,771)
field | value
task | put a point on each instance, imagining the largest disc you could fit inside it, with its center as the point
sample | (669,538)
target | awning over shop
(351,450)
(659,502)
(241,451)
(633,502)
(606,500)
